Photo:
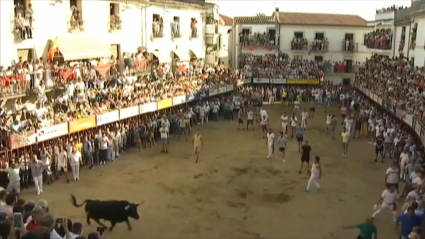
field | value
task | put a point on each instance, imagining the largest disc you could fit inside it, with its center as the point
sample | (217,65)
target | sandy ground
(234,192)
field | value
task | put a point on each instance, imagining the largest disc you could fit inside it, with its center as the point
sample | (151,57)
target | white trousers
(14,185)
(270,153)
(202,118)
(314,178)
(304,123)
(284,126)
(76,171)
(385,207)
(38,182)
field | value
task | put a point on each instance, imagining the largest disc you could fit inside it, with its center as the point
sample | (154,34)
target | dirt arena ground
(234,192)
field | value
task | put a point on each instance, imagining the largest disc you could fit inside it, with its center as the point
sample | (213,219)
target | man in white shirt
(294,124)
(404,160)
(75,159)
(304,116)
(392,176)
(164,138)
(250,119)
(201,111)
(388,202)
(270,143)
(284,118)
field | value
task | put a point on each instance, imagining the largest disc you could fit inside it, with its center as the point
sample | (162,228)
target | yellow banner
(303,82)
(82,124)
(165,104)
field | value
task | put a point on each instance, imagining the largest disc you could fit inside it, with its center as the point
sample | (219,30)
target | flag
(53,49)
(103,69)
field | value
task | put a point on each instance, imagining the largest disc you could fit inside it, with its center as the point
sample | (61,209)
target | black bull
(114,211)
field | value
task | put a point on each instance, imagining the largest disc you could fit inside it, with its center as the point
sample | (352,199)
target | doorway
(349,64)
(116,51)
(26,54)
(318,58)
(346,81)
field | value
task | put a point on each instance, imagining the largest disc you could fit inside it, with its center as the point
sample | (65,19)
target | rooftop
(226,21)
(318,19)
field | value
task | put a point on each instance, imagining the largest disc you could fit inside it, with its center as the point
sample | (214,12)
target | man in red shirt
(36,215)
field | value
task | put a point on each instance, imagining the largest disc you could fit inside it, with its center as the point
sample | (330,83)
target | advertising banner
(107,118)
(303,82)
(82,124)
(190,97)
(229,88)
(24,139)
(379,100)
(408,119)
(214,91)
(278,81)
(260,81)
(148,107)
(163,104)
(51,132)
(129,112)
(247,80)
(179,100)
(222,89)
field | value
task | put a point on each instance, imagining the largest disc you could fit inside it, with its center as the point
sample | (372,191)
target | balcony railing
(319,46)
(349,46)
(299,45)
(22,28)
(378,41)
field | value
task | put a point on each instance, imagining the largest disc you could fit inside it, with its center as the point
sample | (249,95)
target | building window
(175,27)
(245,31)
(157,26)
(20,7)
(25,54)
(319,36)
(115,19)
(220,41)
(194,27)
(349,36)
(318,58)
(76,14)
(299,34)
(403,35)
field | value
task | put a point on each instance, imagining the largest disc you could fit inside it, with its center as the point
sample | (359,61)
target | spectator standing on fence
(103,148)
(37,167)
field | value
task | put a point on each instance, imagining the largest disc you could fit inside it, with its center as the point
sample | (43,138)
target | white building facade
(92,29)
(343,36)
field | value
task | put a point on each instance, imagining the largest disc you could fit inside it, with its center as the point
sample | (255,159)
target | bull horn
(140,202)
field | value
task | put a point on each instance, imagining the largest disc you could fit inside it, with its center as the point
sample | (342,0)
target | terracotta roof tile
(259,19)
(228,21)
(293,18)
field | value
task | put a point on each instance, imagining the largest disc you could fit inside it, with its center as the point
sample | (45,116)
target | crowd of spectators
(320,45)
(397,82)
(379,39)
(299,43)
(393,8)
(258,39)
(280,66)
(36,221)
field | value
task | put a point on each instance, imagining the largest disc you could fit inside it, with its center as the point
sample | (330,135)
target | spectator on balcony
(194,28)
(115,22)
(320,44)
(76,21)
(29,13)
(20,26)
(379,39)
(27,27)
(155,28)
(298,43)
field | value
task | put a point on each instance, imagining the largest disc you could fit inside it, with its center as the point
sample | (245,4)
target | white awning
(182,54)
(77,48)
(163,57)
(198,54)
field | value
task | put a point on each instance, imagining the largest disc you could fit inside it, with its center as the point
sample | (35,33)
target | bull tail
(74,201)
